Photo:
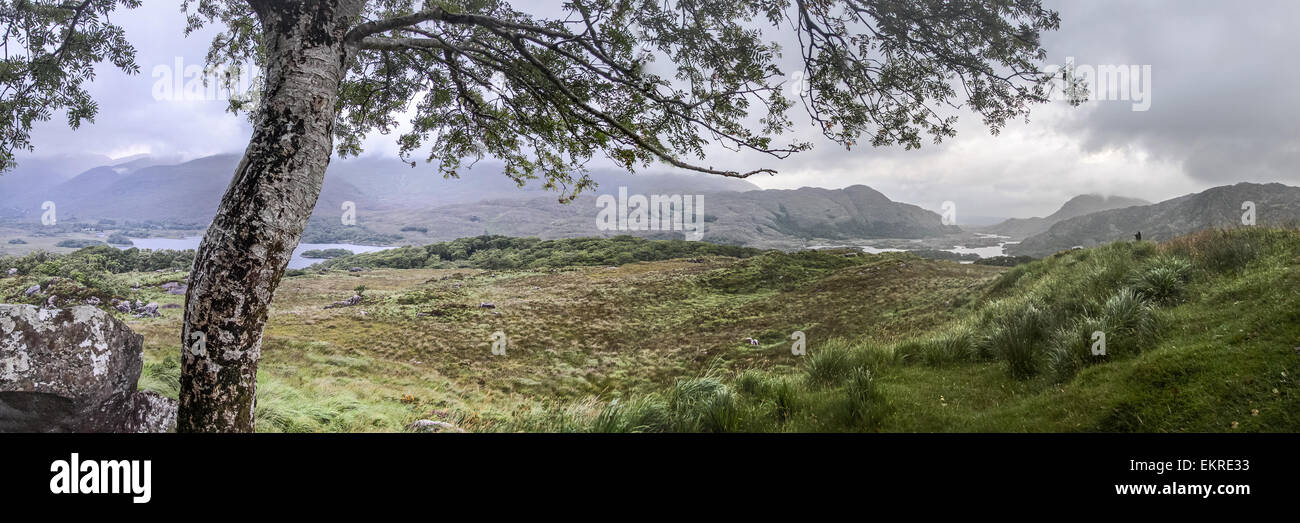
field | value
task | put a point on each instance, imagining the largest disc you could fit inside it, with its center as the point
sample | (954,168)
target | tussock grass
(1015,334)
(954,345)
(163,376)
(1164,280)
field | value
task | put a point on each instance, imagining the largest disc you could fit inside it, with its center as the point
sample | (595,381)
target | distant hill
(1077,206)
(1275,204)
(141,189)
(416,204)
(144,188)
(762,218)
(35,176)
(390,183)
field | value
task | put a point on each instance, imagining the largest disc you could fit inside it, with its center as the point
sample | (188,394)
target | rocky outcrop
(74,370)
(137,309)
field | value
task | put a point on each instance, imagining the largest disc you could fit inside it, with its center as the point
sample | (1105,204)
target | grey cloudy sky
(1224,108)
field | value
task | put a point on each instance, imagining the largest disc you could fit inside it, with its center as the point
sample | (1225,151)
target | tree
(50,49)
(634,81)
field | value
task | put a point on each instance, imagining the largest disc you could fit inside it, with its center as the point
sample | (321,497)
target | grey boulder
(74,370)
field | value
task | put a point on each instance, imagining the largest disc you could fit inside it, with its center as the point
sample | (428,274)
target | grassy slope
(1224,360)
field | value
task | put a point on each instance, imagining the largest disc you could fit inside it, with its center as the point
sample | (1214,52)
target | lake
(298,262)
(983,252)
(986,252)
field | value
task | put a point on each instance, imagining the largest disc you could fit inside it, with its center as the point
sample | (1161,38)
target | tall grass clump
(1013,334)
(1008,280)
(1129,323)
(638,414)
(163,377)
(1164,280)
(862,405)
(589,414)
(830,363)
(1069,348)
(1111,267)
(953,345)
(282,408)
(775,397)
(703,404)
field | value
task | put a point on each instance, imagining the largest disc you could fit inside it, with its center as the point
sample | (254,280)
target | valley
(894,342)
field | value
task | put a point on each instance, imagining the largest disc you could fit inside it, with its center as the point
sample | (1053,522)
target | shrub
(326,254)
(77,244)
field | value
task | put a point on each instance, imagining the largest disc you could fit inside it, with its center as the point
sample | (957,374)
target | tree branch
(384,43)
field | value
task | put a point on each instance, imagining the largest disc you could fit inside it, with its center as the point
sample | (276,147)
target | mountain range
(1274,204)
(758,218)
(416,205)
(398,204)
(1077,206)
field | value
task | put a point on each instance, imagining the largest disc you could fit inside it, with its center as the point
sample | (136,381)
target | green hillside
(1202,337)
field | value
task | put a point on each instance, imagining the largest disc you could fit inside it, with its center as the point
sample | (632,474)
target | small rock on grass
(426,425)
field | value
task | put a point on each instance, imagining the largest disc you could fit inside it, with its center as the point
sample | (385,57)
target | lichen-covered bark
(262,215)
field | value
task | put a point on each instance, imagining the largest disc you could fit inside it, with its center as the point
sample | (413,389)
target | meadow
(1200,337)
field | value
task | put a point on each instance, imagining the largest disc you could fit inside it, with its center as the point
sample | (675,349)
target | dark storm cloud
(1224,101)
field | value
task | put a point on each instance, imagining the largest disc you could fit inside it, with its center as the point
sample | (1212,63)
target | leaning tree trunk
(262,215)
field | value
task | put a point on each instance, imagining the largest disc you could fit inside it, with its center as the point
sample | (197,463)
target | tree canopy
(643,81)
(50,49)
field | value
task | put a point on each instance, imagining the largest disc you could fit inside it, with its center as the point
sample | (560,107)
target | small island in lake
(325,254)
